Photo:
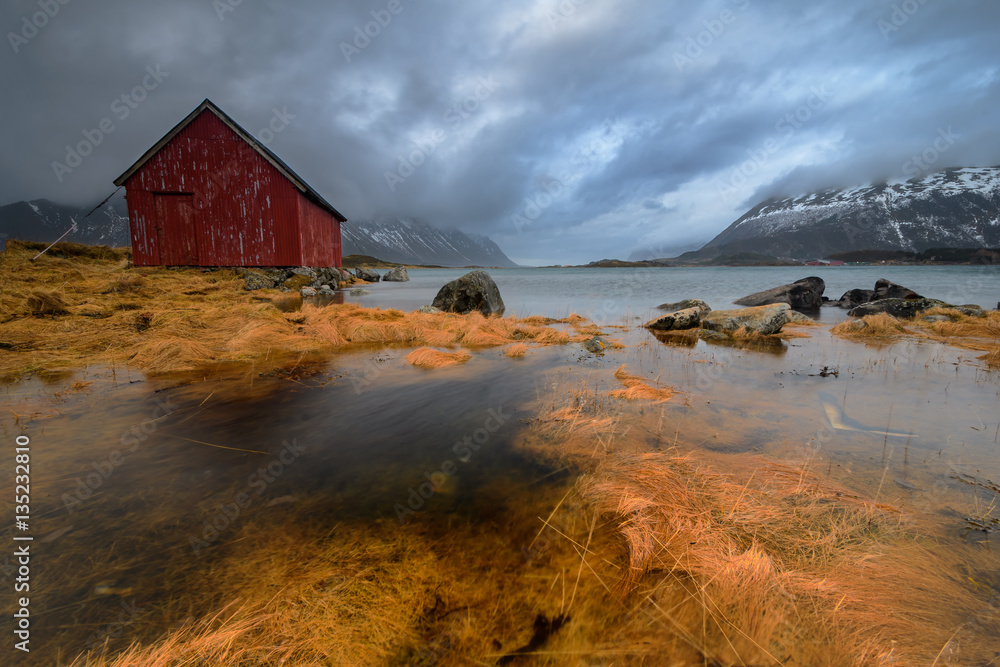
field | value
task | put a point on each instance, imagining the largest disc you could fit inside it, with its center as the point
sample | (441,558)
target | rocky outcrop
(884,289)
(396,275)
(687,318)
(684,305)
(473,291)
(805,294)
(764,320)
(902,308)
(855,297)
(368,275)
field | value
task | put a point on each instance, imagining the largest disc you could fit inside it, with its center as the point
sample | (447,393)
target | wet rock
(886,289)
(795,316)
(396,275)
(307,292)
(327,276)
(764,320)
(367,274)
(473,291)
(707,334)
(855,297)
(971,310)
(902,308)
(325,290)
(255,279)
(360,291)
(427,310)
(805,294)
(688,318)
(684,305)
(298,281)
(597,345)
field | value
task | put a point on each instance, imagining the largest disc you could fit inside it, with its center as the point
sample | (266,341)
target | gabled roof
(264,151)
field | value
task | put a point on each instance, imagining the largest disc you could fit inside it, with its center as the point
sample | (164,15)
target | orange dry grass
(516,351)
(636,388)
(426,357)
(771,568)
(880,325)
(58,312)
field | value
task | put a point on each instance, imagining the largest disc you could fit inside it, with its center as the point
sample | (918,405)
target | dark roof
(264,151)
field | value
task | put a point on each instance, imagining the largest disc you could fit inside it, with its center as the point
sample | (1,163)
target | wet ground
(140,486)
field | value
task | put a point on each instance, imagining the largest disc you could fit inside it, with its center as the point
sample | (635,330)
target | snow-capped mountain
(409,241)
(955,208)
(45,221)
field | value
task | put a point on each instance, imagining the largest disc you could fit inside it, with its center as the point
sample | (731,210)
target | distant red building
(209,194)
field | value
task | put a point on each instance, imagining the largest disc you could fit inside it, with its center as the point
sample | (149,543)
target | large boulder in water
(686,318)
(886,289)
(473,291)
(805,294)
(368,275)
(396,275)
(765,320)
(685,304)
(855,297)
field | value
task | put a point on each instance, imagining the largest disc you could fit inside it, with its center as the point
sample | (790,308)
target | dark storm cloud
(568,131)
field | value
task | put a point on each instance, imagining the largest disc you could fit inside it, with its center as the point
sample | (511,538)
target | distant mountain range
(410,241)
(954,208)
(402,241)
(45,221)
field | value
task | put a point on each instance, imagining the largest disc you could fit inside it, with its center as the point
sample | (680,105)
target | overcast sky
(567,131)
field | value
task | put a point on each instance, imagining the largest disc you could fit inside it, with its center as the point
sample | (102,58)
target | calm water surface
(610,293)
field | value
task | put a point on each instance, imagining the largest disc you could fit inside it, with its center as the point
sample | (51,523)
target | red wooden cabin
(210,194)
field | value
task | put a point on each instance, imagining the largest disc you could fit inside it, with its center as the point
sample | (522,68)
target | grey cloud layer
(608,126)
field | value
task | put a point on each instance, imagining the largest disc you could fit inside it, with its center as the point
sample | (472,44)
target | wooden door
(175,229)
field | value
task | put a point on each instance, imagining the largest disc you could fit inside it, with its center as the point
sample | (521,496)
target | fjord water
(606,293)
(137,481)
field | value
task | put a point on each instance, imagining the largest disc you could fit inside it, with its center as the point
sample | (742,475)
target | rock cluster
(294,278)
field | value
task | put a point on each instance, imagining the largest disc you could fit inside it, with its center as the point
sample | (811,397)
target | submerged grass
(638,388)
(960,330)
(427,357)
